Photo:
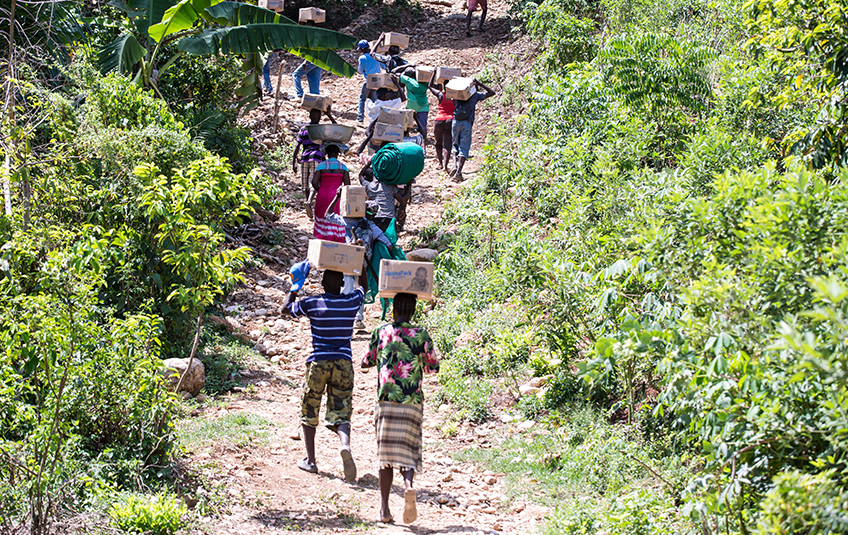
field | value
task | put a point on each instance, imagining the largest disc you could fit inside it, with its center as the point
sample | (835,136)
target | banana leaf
(179,18)
(313,44)
(121,54)
(230,13)
(249,91)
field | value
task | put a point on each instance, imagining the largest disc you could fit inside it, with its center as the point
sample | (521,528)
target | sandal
(349,466)
(306,466)
(410,511)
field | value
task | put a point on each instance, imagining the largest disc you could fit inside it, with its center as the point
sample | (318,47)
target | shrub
(804,503)
(162,514)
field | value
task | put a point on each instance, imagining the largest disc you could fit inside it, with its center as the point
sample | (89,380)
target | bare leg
(309,442)
(386,475)
(483,18)
(468,24)
(439,157)
(343,431)
(458,174)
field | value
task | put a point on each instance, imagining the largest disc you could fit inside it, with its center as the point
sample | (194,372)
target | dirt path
(269,493)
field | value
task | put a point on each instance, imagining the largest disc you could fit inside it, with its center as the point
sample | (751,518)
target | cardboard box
(400,276)
(381,49)
(311,101)
(423,74)
(324,254)
(395,116)
(444,74)
(273,5)
(460,88)
(312,13)
(396,39)
(352,203)
(390,133)
(380,80)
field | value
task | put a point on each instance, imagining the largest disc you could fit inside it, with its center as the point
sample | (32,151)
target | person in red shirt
(442,125)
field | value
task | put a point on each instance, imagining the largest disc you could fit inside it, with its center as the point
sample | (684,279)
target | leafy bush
(804,503)
(565,38)
(162,514)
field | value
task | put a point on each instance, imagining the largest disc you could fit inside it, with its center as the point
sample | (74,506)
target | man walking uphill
(463,122)
(367,65)
(329,366)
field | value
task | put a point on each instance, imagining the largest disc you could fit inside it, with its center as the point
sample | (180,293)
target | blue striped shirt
(331,320)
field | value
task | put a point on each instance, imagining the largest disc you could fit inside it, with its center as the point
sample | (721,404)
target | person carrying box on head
(329,366)
(416,99)
(367,65)
(360,231)
(442,124)
(463,121)
(402,353)
(308,70)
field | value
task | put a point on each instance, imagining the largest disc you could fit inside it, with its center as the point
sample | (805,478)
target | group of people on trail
(401,351)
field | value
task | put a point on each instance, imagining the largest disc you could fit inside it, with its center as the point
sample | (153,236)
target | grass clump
(239,429)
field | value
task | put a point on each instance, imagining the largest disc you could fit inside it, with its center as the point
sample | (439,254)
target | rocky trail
(267,492)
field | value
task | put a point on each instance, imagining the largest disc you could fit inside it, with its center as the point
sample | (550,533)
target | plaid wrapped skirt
(399,435)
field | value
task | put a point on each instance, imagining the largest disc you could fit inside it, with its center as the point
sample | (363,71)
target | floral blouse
(403,354)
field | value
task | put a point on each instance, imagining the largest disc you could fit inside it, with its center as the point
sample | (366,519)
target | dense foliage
(664,239)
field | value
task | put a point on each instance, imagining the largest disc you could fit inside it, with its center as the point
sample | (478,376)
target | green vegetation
(122,166)
(661,236)
(239,429)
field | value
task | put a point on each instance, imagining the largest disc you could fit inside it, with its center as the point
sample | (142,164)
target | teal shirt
(416,94)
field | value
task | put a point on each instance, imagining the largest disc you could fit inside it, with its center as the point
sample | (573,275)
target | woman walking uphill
(402,353)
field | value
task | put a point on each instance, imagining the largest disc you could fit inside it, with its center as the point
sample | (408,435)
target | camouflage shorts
(336,376)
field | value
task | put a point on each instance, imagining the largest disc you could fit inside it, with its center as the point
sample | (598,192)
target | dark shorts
(334,376)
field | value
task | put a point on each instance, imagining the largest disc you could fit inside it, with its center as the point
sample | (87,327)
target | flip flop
(306,466)
(349,465)
(410,511)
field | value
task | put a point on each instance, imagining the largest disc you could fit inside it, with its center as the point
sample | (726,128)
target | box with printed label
(401,276)
(323,254)
(312,13)
(316,102)
(380,80)
(395,116)
(390,133)
(273,5)
(443,74)
(424,74)
(352,203)
(400,40)
(460,88)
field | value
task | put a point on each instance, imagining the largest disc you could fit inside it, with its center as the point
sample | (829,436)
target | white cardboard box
(400,116)
(460,88)
(444,74)
(312,13)
(311,101)
(380,80)
(400,40)
(323,254)
(352,202)
(401,276)
(273,5)
(424,74)
(389,133)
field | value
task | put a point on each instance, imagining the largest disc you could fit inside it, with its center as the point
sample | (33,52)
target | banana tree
(230,28)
